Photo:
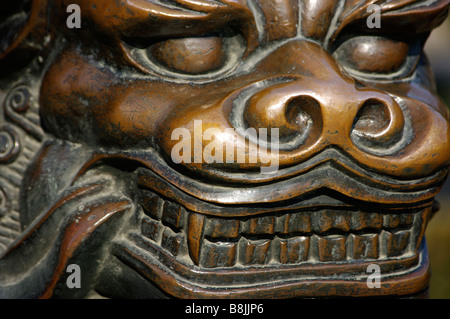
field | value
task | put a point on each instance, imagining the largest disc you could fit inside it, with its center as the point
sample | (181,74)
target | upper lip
(334,156)
(326,190)
(332,175)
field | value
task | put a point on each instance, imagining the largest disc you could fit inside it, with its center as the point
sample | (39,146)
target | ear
(23,31)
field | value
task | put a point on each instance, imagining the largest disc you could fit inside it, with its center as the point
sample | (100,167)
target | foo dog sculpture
(128,138)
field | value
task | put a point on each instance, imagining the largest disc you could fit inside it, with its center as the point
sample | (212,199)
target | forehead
(325,19)
(261,20)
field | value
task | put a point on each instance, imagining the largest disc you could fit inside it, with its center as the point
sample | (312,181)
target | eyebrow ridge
(422,16)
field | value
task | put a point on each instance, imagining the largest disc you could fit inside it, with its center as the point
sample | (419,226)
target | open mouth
(308,244)
(275,251)
(300,253)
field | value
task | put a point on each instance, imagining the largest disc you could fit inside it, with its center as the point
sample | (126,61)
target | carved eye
(377,57)
(201,57)
(191,55)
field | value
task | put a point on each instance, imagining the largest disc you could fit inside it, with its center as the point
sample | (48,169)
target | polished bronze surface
(218,149)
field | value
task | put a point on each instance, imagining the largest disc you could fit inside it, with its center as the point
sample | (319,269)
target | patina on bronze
(87,175)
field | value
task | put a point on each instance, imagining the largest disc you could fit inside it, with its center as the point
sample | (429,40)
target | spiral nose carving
(302,112)
(373,121)
(379,123)
(298,117)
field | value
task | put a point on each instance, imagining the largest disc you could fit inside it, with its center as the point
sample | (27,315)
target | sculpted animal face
(332,84)
(276,140)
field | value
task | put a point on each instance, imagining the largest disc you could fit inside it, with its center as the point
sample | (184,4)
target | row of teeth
(289,238)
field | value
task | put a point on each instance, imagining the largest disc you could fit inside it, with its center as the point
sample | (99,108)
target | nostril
(301,112)
(297,117)
(373,118)
(379,123)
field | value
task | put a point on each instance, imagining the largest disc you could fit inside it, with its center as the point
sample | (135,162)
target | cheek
(135,113)
(82,103)
(71,92)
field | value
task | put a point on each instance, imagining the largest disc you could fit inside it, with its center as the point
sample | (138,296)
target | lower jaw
(399,278)
(276,256)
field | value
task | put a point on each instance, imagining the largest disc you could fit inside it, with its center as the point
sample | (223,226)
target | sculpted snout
(326,113)
(296,112)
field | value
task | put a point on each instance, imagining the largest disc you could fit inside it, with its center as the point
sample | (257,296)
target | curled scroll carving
(16,104)
(9,144)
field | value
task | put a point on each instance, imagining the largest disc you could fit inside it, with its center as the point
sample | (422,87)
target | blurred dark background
(438,231)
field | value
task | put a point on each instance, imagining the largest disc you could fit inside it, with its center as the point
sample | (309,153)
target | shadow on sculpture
(206,149)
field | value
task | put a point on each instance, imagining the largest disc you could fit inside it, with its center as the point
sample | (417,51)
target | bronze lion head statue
(218,149)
